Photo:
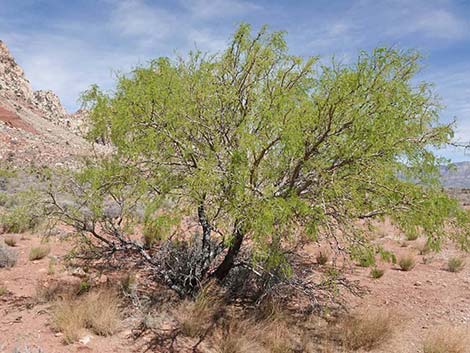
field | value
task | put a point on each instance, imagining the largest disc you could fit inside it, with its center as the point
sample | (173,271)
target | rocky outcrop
(35,129)
(13,83)
(16,88)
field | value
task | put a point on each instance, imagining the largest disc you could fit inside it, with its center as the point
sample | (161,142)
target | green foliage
(22,212)
(376,272)
(273,145)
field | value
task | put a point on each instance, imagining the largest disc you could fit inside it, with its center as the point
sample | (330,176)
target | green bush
(376,272)
(23,212)
(455,264)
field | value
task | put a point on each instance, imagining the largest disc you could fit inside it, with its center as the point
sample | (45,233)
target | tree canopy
(266,148)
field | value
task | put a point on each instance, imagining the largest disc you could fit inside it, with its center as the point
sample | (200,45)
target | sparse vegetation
(98,311)
(367,329)
(376,272)
(447,340)
(455,264)
(407,262)
(7,256)
(39,252)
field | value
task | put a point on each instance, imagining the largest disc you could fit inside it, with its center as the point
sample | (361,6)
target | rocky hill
(34,126)
(457,177)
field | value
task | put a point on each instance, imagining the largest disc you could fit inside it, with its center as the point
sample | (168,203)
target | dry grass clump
(98,311)
(367,329)
(455,264)
(407,262)
(3,290)
(447,340)
(197,317)
(248,335)
(10,241)
(238,336)
(7,256)
(322,258)
(39,252)
(69,318)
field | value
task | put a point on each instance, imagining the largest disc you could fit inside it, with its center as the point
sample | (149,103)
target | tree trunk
(224,268)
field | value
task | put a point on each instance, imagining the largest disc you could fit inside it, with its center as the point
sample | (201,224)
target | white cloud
(135,18)
(207,9)
(433,23)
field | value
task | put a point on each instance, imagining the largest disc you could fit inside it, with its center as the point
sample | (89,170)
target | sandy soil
(424,298)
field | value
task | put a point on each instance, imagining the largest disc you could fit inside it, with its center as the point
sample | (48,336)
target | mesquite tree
(265,148)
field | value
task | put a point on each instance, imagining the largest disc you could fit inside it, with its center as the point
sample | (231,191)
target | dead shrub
(407,262)
(367,329)
(447,340)
(98,311)
(39,252)
(7,256)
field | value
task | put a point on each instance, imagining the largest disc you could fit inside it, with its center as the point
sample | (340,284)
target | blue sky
(67,45)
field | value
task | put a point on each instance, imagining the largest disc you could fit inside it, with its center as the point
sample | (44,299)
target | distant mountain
(459,177)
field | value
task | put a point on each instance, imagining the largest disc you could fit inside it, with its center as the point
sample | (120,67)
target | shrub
(98,311)
(7,257)
(407,262)
(367,329)
(39,252)
(19,219)
(322,258)
(10,241)
(376,272)
(258,171)
(447,340)
(3,290)
(455,264)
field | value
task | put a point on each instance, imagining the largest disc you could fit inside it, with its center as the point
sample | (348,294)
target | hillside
(34,126)
(458,177)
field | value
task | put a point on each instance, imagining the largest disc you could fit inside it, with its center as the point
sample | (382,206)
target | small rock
(85,340)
